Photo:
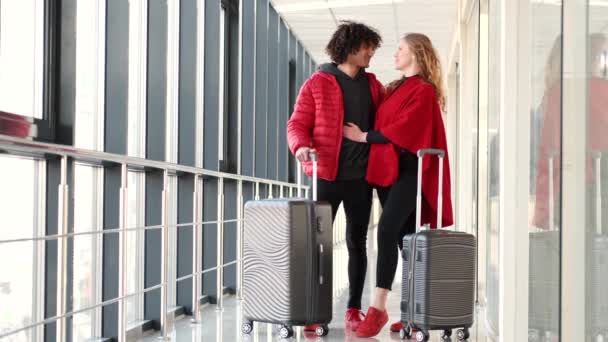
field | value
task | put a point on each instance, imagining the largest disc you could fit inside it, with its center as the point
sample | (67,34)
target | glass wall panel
(544,168)
(21,60)
(135,249)
(493,157)
(88,212)
(136,137)
(88,180)
(21,216)
(597,171)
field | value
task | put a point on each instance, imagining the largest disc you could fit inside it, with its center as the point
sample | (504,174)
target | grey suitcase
(438,291)
(287,263)
(597,293)
(543,289)
(597,267)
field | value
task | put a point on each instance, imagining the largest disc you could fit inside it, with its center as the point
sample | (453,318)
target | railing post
(239,238)
(164,255)
(122,255)
(62,252)
(220,244)
(196,246)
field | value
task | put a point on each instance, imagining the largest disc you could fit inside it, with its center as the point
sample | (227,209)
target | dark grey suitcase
(597,267)
(287,263)
(596,288)
(543,289)
(438,291)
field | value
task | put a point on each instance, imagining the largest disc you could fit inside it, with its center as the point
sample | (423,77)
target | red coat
(318,119)
(411,119)
(550,143)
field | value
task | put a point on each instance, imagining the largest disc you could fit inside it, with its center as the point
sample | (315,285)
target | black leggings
(357,198)
(398,218)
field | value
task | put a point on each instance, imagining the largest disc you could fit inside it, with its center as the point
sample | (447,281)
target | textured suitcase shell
(544,291)
(281,261)
(443,265)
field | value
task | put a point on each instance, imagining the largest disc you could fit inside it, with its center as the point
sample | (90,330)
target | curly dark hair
(348,39)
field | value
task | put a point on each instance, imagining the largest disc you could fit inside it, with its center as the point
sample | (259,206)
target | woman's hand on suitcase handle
(354,133)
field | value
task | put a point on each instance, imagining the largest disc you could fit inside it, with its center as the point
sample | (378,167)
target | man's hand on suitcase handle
(305,154)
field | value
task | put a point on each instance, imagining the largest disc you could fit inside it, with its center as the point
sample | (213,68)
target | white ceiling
(315,21)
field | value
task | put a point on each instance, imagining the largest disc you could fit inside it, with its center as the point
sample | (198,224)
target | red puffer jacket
(318,118)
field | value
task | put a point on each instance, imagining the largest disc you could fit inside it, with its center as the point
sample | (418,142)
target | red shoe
(312,327)
(372,324)
(353,318)
(397,326)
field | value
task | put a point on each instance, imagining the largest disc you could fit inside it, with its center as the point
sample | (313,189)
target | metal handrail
(24,147)
(28,148)
(102,231)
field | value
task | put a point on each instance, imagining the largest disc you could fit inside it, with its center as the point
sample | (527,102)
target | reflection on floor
(226,325)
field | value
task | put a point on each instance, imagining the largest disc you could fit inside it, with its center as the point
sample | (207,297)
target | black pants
(357,198)
(397,220)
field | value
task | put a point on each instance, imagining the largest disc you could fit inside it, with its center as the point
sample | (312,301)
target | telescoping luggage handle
(551,161)
(312,156)
(597,156)
(551,191)
(421,154)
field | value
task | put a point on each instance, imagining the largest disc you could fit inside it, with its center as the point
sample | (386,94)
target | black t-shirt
(358,109)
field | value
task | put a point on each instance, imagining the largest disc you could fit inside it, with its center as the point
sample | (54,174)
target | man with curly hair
(338,93)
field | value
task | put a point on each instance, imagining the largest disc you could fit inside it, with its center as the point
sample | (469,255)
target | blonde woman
(409,119)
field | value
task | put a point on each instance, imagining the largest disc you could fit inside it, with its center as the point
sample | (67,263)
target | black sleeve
(375,137)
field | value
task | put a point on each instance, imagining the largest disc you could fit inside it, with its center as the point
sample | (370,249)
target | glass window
(173,228)
(21,57)
(88,180)
(172,132)
(228,85)
(138,25)
(21,216)
(136,195)
(90,64)
(88,217)
(597,171)
(136,121)
(545,165)
(491,117)
(222,87)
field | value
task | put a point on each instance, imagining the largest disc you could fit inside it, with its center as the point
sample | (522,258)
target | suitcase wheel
(322,330)
(286,332)
(422,336)
(247,328)
(463,334)
(405,333)
(446,335)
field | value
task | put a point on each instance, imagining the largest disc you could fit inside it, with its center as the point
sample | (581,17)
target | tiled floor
(226,325)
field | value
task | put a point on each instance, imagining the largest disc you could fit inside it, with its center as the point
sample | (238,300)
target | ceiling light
(320,5)
(592,3)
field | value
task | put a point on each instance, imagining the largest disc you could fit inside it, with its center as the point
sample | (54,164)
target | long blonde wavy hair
(428,61)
